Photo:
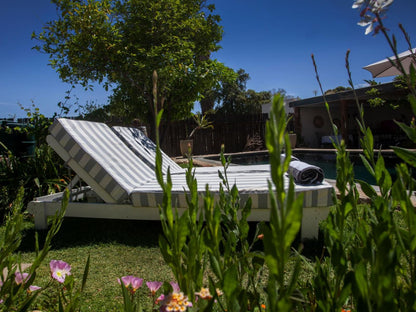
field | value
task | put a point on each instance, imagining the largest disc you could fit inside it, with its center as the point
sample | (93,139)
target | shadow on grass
(82,232)
(77,232)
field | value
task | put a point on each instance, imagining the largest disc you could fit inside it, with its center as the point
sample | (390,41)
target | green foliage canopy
(120,43)
(235,98)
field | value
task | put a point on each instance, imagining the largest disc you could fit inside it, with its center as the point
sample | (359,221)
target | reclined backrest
(99,157)
(145,148)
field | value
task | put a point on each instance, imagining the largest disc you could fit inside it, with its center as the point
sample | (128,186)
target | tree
(337,90)
(234,98)
(121,43)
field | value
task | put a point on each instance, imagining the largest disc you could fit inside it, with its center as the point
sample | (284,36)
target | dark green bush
(41,174)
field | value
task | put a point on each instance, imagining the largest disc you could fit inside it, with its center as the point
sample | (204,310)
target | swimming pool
(323,159)
(328,164)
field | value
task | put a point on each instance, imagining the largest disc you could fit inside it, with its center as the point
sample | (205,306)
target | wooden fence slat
(232,131)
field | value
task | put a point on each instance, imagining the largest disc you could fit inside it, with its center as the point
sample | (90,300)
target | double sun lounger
(117,164)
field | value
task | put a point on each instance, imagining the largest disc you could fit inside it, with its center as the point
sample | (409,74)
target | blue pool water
(326,161)
(328,164)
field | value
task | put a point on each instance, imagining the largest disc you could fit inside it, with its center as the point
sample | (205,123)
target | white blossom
(369,11)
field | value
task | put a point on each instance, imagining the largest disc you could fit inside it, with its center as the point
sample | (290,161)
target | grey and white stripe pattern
(117,174)
(100,158)
(251,183)
(145,148)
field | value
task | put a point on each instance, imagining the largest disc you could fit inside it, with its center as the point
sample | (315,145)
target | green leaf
(379,168)
(85,275)
(407,155)
(215,265)
(294,278)
(165,249)
(270,251)
(27,303)
(360,275)
(127,303)
(36,180)
(367,189)
(182,230)
(61,307)
(367,165)
(410,132)
(369,139)
(159,118)
(230,281)
(294,220)
(412,100)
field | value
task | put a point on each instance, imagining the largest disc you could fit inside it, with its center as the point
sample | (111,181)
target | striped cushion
(250,183)
(99,157)
(144,148)
(116,174)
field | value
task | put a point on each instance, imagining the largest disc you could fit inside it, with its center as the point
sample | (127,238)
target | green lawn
(117,248)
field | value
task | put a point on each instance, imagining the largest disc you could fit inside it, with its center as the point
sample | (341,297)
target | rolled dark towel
(283,157)
(304,173)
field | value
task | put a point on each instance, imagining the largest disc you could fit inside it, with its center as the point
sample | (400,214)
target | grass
(116,248)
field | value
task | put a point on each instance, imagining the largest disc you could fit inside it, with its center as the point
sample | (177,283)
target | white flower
(370,10)
(357,4)
(373,5)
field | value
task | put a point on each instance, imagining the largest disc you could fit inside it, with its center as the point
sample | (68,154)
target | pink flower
(33,288)
(21,278)
(160,298)
(175,287)
(59,270)
(131,282)
(154,286)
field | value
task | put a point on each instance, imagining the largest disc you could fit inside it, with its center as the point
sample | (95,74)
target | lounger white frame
(127,188)
(47,206)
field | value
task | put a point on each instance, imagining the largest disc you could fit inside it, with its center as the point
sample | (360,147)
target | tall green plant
(13,295)
(369,251)
(286,213)
(182,244)
(331,286)
(236,266)
(219,232)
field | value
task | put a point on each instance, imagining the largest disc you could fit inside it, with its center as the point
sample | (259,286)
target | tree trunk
(207,102)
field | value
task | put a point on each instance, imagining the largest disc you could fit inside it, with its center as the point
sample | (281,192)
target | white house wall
(312,135)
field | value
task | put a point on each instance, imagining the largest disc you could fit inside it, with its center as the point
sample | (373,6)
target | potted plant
(202,122)
(292,139)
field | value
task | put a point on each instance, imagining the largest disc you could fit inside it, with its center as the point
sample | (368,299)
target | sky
(272,40)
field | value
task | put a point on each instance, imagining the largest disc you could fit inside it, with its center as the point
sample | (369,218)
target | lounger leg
(41,219)
(311,219)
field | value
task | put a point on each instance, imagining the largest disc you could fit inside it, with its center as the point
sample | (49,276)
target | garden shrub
(39,174)
(42,174)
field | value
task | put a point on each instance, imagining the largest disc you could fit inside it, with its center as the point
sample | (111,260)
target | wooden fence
(237,133)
